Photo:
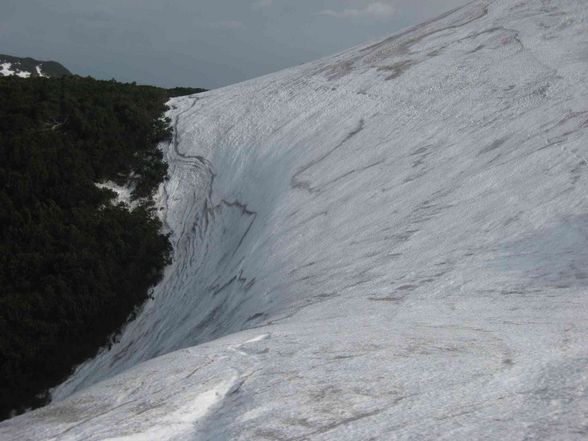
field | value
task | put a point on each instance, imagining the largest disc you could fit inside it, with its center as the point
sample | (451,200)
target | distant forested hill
(74,264)
(30,68)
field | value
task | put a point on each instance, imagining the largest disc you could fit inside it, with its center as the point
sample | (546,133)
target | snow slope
(386,244)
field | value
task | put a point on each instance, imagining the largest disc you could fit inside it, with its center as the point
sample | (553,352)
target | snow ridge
(389,243)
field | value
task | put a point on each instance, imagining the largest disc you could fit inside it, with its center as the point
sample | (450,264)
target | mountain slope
(29,67)
(390,243)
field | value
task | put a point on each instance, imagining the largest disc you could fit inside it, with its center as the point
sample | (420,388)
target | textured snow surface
(387,244)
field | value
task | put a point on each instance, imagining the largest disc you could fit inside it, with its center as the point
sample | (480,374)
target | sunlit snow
(123,193)
(40,72)
(387,244)
(6,71)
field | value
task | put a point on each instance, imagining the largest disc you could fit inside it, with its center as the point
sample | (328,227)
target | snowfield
(387,244)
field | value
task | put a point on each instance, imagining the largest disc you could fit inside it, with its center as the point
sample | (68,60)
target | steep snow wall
(390,243)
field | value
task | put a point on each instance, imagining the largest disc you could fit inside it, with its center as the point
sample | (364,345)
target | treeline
(181,91)
(73,264)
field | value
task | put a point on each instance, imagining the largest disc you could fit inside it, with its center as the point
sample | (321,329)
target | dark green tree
(73,264)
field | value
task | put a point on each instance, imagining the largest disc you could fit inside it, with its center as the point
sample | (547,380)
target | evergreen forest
(74,263)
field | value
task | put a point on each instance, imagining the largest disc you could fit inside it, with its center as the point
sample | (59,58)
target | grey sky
(200,43)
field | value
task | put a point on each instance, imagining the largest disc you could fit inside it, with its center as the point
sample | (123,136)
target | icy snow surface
(387,244)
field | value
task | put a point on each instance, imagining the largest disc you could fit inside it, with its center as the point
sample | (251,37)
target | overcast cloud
(200,43)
